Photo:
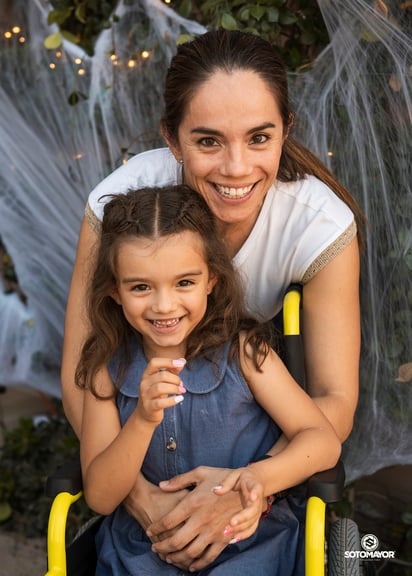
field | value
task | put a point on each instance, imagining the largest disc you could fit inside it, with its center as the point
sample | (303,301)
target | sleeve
(152,168)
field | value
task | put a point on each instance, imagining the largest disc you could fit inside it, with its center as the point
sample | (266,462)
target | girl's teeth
(233,192)
(165,323)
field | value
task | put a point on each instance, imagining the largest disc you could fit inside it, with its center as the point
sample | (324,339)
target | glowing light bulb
(52,65)
(16,29)
(7,34)
(168,1)
(58,54)
(330,153)
(113,57)
(77,60)
(131,63)
(22,39)
(146,54)
(81,71)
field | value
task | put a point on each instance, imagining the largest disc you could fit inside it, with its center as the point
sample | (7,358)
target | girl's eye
(140,287)
(185,283)
(259,138)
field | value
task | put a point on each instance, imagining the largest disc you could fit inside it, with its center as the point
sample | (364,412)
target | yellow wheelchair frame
(65,487)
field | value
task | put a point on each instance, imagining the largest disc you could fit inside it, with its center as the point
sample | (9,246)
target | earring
(180,161)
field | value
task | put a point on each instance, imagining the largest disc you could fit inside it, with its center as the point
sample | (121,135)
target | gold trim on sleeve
(330,252)
(92,219)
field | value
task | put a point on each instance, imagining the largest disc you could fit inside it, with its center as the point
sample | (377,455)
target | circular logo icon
(369,542)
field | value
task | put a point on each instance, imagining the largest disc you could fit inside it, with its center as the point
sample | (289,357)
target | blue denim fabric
(218,424)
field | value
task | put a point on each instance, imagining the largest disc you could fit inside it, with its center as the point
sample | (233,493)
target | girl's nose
(163,302)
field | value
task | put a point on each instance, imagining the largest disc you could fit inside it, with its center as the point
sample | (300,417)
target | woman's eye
(259,138)
(208,142)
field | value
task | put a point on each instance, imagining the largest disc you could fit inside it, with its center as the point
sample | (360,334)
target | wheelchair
(65,488)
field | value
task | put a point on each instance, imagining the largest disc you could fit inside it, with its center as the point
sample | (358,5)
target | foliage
(29,453)
(295,27)
(80,21)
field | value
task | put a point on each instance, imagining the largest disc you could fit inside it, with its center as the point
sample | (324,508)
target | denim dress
(218,424)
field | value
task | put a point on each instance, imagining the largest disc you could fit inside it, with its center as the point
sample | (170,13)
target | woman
(283,218)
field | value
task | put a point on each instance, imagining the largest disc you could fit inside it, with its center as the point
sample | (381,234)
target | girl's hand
(160,388)
(244,523)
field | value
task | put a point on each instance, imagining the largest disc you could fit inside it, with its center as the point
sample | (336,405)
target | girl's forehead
(185,241)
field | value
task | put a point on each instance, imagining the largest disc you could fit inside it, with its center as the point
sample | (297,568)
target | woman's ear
(172,144)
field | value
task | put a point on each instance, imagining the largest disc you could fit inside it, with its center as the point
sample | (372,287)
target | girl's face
(162,286)
(230,141)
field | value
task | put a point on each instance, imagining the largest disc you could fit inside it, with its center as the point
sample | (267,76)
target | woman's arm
(331,326)
(76,325)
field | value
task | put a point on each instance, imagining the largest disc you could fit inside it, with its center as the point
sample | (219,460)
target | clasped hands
(191,518)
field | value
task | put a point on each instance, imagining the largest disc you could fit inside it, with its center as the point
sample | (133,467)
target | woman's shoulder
(310,194)
(156,167)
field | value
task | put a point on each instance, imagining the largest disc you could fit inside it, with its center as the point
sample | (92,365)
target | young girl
(192,382)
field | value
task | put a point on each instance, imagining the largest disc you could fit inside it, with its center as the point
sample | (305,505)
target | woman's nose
(236,161)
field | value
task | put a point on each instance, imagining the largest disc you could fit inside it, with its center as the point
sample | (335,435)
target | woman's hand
(147,503)
(204,518)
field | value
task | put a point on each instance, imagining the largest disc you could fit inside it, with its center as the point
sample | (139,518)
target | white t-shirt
(301,227)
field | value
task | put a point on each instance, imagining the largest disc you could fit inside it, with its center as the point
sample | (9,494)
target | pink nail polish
(234,541)
(227,531)
(181,387)
(179,362)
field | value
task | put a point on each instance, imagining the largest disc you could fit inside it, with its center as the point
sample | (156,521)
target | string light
(22,39)
(52,65)
(77,60)
(81,71)
(16,29)
(330,153)
(7,34)
(131,63)
(145,54)
(58,54)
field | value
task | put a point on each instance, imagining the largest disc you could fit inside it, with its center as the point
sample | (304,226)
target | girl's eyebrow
(211,132)
(135,280)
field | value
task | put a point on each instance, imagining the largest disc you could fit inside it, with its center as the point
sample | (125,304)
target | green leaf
(287,19)
(80,13)
(53,41)
(228,22)
(183,38)
(58,16)
(257,11)
(273,14)
(5,511)
(73,38)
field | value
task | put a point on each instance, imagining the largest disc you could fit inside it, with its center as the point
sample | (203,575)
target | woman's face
(230,141)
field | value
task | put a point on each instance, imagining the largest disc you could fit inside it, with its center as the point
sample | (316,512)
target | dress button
(171,444)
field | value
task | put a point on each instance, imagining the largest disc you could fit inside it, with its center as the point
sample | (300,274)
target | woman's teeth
(230,192)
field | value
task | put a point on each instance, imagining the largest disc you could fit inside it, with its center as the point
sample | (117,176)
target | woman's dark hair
(155,213)
(228,51)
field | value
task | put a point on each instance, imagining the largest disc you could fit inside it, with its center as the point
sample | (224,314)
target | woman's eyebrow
(212,132)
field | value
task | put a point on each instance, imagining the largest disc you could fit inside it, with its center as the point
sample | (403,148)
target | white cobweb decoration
(353,108)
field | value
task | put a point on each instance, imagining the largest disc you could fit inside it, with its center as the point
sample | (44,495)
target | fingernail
(227,531)
(181,387)
(164,483)
(217,488)
(234,541)
(179,362)
(179,399)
